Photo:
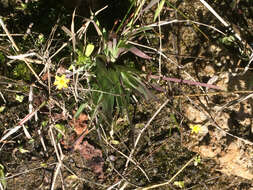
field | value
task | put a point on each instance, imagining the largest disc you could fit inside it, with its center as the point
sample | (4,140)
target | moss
(21,71)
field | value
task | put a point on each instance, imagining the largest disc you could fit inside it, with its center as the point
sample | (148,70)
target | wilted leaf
(139,53)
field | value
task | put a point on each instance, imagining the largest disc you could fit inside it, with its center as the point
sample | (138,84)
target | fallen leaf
(92,155)
(79,124)
(44,77)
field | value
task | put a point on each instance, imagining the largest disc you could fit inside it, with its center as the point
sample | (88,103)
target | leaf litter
(92,155)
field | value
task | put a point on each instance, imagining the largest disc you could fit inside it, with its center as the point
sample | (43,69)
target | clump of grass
(111,80)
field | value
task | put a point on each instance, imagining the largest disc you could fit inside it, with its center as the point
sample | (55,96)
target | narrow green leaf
(159,9)
(107,106)
(80,109)
(2,176)
(127,81)
(135,83)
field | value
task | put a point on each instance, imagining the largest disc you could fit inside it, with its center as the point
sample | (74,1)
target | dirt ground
(224,145)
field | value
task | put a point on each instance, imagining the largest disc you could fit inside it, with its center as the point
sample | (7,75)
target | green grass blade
(80,109)
(159,9)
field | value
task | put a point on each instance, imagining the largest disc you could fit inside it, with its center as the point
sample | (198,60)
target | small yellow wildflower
(195,128)
(61,82)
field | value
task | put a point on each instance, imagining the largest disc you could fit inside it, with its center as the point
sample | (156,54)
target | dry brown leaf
(79,124)
(92,155)
(44,77)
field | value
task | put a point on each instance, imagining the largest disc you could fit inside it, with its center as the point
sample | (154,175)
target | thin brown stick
(171,179)
(214,93)
(9,35)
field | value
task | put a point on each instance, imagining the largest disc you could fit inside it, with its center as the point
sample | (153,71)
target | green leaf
(107,105)
(61,129)
(21,71)
(2,58)
(2,108)
(80,109)
(82,59)
(89,49)
(115,142)
(44,123)
(2,176)
(22,150)
(133,82)
(228,40)
(44,165)
(179,184)
(159,9)
(19,98)
(129,83)
(197,160)
(117,82)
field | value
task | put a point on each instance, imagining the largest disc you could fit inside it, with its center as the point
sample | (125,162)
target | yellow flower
(195,128)
(61,82)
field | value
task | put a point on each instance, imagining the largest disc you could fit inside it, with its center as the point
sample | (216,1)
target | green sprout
(61,129)
(113,49)
(84,61)
(19,98)
(228,40)
(179,184)
(197,160)
(40,40)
